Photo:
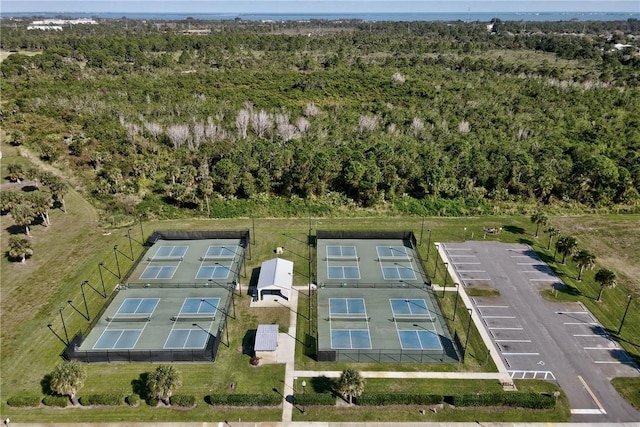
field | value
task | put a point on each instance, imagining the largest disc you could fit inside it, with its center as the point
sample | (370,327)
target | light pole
(465,234)
(625,313)
(435,270)
(446,276)
(64,326)
(104,290)
(115,251)
(429,245)
(86,307)
(466,340)
(130,245)
(455,304)
(304,393)
(421,231)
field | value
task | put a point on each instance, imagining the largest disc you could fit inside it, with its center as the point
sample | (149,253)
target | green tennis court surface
(171,306)
(375,302)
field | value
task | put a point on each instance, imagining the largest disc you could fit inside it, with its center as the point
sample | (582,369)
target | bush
(184,400)
(514,400)
(381,399)
(271,399)
(153,402)
(56,401)
(132,400)
(106,399)
(24,401)
(311,399)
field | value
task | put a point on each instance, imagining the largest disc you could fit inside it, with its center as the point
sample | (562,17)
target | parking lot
(539,339)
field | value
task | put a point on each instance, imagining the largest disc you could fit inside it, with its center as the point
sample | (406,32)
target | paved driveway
(541,339)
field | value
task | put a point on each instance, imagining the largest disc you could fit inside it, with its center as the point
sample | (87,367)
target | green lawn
(68,252)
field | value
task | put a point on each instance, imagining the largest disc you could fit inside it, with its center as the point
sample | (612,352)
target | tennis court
(375,302)
(172,306)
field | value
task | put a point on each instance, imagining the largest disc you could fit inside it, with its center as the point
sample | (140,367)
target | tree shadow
(15,229)
(45,384)
(323,385)
(248,342)
(513,229)
(139,386)
(524,241)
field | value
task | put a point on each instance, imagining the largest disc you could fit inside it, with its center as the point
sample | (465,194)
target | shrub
(514,400)
(311,399)
(184,400)
(152,401)
(380,399)
(132,400)
(56,401)
(244,399)
(24,401)
(106,399)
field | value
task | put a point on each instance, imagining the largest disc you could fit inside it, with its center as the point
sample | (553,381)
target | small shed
(266,343)
(276,278)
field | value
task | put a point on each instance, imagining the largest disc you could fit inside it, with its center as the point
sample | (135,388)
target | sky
(317,6)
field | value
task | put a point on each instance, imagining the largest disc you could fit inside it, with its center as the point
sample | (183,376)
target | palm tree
(539,219)
(42,201)
(350,384)
(163,381)
(68,378)
(566,245)
(584,259)
(16,172)
(23,214)
(606,278)
(552,232)
(20,247)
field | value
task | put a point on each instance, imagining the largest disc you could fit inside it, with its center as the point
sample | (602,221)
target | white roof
(266,338)
(277,273)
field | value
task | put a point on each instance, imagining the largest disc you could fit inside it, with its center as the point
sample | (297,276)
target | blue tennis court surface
(141,306)
(350,339)
(222,252)
(393,252)
(213,272)
(347,306)
(341,252)
(409,307)
(158,272)
(187,338)
(118,339)
(171,251)
(398,272)
(343,272)
(419,339)
(200,306)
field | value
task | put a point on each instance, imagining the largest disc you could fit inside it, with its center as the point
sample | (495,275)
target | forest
(422,117)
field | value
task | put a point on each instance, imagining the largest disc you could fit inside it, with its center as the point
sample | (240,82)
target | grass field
(68,252)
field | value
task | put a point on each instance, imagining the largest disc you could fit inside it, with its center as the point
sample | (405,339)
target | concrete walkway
(286,355)
(428,375)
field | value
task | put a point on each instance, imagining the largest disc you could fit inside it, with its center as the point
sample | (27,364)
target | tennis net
(217,258)
(348,318)
(413,318)
(144,318)
(193,318)
(165,258)
(342,258)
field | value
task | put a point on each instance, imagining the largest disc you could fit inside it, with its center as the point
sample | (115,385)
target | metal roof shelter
(266,338)
(276,278)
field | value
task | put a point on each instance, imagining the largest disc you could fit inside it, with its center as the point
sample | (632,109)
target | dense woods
(432,118)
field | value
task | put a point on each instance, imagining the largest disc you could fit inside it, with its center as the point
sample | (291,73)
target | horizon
(283,7)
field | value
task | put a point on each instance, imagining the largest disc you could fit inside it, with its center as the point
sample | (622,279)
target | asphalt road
(542,339)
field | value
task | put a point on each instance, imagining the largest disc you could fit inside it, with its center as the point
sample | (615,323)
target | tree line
(376,114)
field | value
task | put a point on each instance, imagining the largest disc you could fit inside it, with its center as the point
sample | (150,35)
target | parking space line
(499,317)
(587,412)
(512,340)
(590,335)
(466,263)
(471,271)
(601,348)
(571,312)
(520,354)
(593,396)
(548,279)
(580,323)
(528,263)
(459,249)
(506,329)
(492,306)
